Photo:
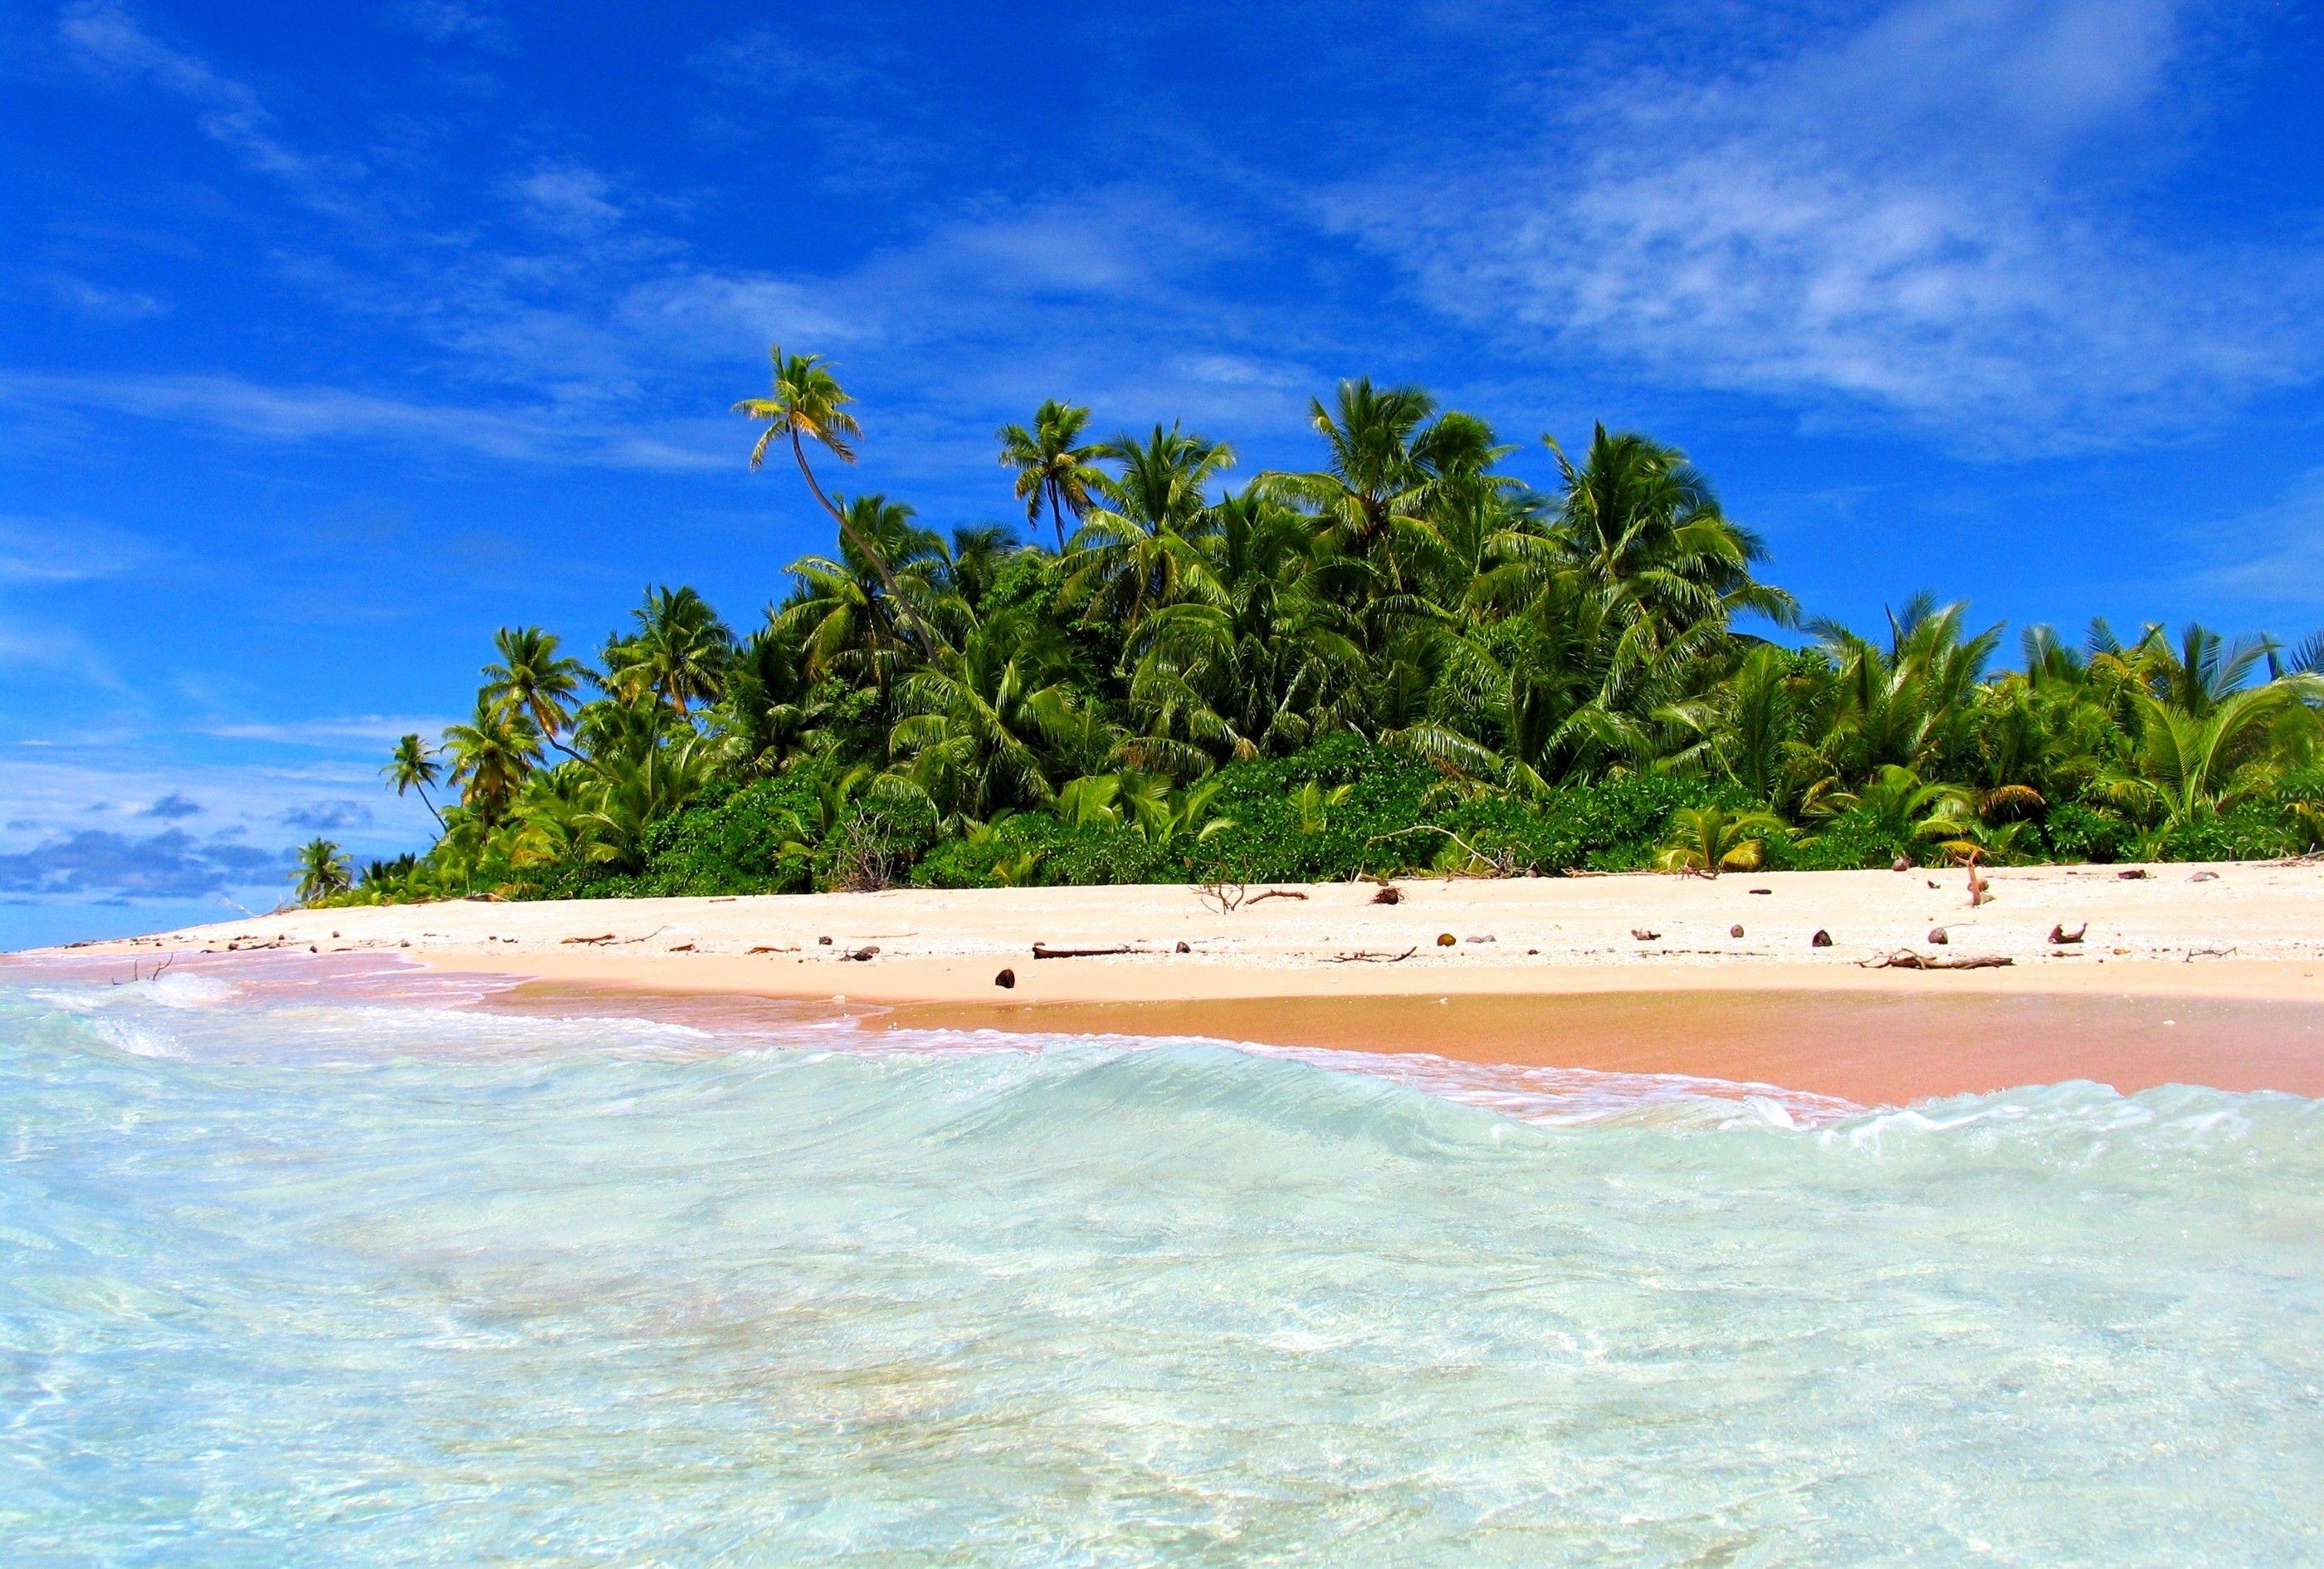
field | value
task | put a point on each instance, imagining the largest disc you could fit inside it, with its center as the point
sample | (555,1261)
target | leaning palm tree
(322,871)
(533,676)
(413,767)
(807,404)
(1051,465)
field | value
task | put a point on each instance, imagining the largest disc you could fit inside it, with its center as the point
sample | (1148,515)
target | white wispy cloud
(39,551)
(240,407)
(105,37)
(1897,220)
(2273,555)
(105,304)
(568,198)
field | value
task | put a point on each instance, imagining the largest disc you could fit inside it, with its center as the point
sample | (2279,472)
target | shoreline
(1546,971)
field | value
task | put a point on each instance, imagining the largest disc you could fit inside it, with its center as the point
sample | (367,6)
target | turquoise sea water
(285,1279)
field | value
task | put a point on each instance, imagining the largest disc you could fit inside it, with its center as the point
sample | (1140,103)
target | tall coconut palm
(413,767)
(1647,531)
(1387,467)
(851,613)
(1141,549)
(679,652)
(532,675)
(1052,464)
(492,754)
(807,404)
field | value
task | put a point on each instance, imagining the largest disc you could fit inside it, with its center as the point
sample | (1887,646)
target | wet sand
(1859,1045)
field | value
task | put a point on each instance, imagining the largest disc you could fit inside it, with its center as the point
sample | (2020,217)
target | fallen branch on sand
(1365,958)
(1906,959)
(2059,933)
(1043,951)
(1274,893)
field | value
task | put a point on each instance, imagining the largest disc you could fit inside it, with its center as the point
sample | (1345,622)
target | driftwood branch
(1366,958)
(1043,951)
(1906,959)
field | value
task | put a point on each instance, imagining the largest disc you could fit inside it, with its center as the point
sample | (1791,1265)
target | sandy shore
(2246,939)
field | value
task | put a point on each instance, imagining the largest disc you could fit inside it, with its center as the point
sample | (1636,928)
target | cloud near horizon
(171,864)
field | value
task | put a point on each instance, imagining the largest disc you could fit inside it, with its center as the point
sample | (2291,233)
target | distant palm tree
(977,556)
(807,404)
(976,721)
(1051,465)
(322,871)
(413,768)
(534,677)
(1647,530)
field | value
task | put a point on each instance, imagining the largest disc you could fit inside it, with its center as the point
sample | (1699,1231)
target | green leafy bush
(2075,832)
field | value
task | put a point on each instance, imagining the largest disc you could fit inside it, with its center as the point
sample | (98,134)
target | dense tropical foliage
(1403,659)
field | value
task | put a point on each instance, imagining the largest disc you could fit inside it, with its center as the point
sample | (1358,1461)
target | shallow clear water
(294,1280)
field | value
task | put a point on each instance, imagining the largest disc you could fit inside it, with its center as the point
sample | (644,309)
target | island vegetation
(1402,660)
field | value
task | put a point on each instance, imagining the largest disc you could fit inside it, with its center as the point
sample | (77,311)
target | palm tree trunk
(878,559)
(1058,518)
(431,808)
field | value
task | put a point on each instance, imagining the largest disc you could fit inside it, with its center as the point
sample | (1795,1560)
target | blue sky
(332,338)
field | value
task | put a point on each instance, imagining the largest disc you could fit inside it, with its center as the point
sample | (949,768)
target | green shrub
(2075,832)
(2255,830)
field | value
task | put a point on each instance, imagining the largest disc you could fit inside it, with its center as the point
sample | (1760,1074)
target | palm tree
(1139,549)
(634,794)
(413,768)
(322,871)
(533,676)
(1257,654)
(849,615)
(973,564)
(1646,529)
(1387,470)
(807,404)
(1051,465)
(678,653)
(492,754)
(2189,766)
(975,720)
